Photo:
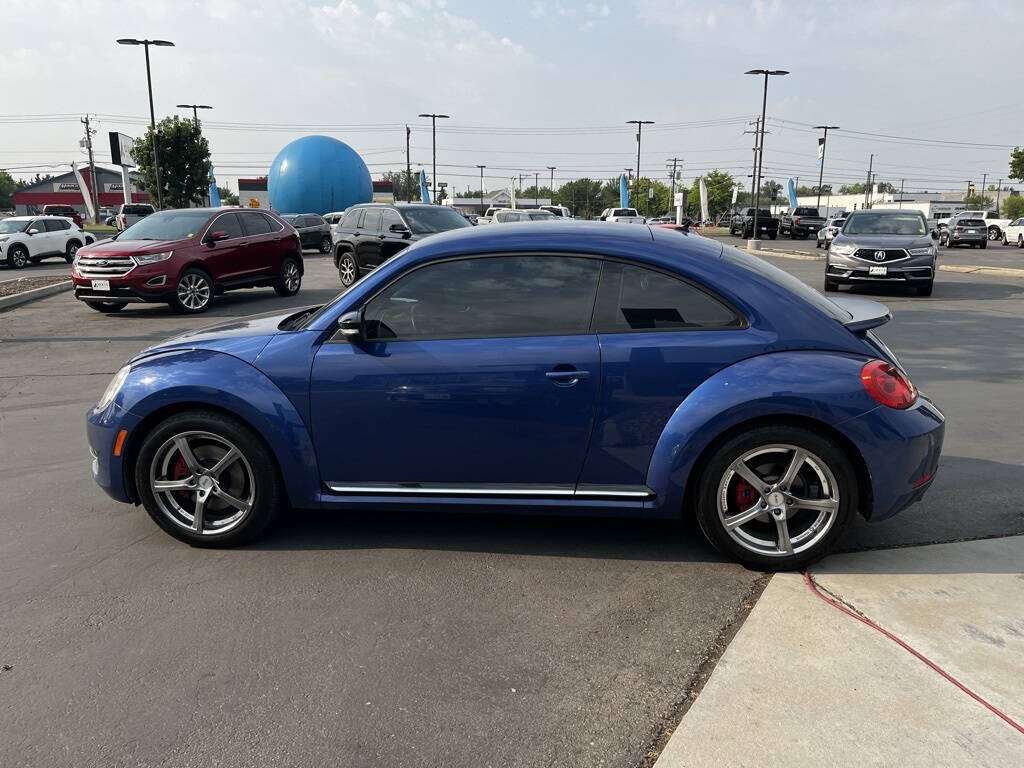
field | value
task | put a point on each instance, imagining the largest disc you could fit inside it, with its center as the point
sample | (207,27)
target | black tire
(772,235)
(949,243)
(326,245)
(1004,239)
(17,257)
(983,244)
(993,233)
(106,306)
(715,471)
(261,479)
(926,289)
(70,250)
(792,233)
(348,268)
(817,243)
(290,281)
(1020,241)
(193,292)
(831,285)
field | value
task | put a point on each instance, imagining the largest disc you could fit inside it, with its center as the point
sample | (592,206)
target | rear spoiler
(866,314)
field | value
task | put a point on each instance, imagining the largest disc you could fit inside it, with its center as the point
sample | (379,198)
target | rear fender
(821,386)
(193,378)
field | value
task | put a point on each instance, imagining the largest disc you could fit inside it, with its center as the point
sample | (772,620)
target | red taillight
(887,384)
(796,220)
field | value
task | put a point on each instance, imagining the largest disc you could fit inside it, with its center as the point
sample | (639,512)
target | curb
(783,254)
(968,269)
(9,302)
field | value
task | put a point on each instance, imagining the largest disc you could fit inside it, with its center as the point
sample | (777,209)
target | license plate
(101,285)
(878,270)
(972,231)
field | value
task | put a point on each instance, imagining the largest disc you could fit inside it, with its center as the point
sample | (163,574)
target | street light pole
(433,122)
(195,110)
(481,167)
(536,189)
(551,184)
(152,113)
(760,145)
(639,132)
(821,170)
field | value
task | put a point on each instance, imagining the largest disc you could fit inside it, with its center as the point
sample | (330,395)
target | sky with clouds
(534,83)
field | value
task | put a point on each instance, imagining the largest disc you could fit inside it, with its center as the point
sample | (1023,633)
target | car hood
(114,249)
(243,338)
(883,241)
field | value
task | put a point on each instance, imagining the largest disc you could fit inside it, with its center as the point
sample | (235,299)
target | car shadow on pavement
(546,536)
(960,290)
(236,303)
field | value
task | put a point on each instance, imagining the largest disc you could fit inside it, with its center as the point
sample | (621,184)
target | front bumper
(849,270)
(125,293)
(101,429)
(901,449)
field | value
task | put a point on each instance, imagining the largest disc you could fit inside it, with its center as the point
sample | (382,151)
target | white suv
(130,213)
(34,238)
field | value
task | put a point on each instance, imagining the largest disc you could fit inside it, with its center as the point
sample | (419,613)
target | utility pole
(481,167)
(93,192)
(753,174)
(195,111)
(901,192)
(433,122)
(867,187)
(674,160)
(551,184)
(536,189)
(984,178)
(760,149)
(408,168)
(999,188)
(639,132)
(821,168)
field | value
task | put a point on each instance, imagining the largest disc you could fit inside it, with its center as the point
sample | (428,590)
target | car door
(473,371)
(262,255)
(392,241)
(226,260)
(39,244)
(368,247)
(660,337)
(57,232)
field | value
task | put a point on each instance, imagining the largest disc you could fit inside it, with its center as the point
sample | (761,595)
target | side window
(315,221)
(637,299)
(488,296)
(255,223)
(390,217)
(371,221)
(56,225)
(351,220)
(274,224)
(229,223)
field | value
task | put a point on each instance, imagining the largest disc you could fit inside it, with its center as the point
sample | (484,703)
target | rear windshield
(870,223)
(971,222)
(624,212)
(136,210)
(167,225)
(805,212)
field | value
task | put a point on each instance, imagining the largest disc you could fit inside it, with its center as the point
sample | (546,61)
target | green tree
(978,202)
(1013,207)
(227,197)
(720,185)
(771,189)
(1017,163)
(7,188)
(582,197)
(184,162)
(407,188)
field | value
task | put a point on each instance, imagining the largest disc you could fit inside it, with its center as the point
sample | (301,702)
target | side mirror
(33,231)
(215,235)
(351,326)
(400,229)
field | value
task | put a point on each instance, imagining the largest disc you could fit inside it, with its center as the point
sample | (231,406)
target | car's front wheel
(290,281)
(777,497)
(17,257)
(193,293)
(348,269)
(831,285)
(208,479)
(926,289)
(71,250)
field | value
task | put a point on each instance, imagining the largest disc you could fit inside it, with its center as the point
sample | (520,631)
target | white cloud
(384,18)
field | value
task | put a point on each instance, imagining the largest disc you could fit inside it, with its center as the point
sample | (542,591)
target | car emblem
(879,255)
(103,262)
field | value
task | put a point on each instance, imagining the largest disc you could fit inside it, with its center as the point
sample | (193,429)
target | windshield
(868,223)
(424,221)
(10,226)
(167,225)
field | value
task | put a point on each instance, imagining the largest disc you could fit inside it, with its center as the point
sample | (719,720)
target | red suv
(63,210)
(184,257)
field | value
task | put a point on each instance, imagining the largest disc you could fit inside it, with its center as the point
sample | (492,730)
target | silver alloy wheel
(17,257)
(347,270)
(194,291)
(202,483)
(72,249)
(291,278)
(993,233)
(778,500)
(325,245)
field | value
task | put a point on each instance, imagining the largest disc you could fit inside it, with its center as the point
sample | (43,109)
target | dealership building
(64,190)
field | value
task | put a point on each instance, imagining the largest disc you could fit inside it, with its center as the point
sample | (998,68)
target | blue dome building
(318,174)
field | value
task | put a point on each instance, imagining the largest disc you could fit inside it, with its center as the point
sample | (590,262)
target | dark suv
(371,234)
(184,257)
(314,231)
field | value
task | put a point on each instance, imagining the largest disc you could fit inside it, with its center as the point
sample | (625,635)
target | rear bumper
(901,450)
(956,239)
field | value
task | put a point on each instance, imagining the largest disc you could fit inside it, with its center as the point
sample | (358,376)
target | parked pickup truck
(622,215)
(801,222)
(742,224)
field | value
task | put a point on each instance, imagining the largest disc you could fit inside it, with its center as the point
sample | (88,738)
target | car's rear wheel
(290,281)
(17,257)
(71,250)
(193,293)
(1004,239)
(106,306)
(983,244)
(208,479)
(348,269)
(777,497)
(326,245)
(993,233)
(1020,241)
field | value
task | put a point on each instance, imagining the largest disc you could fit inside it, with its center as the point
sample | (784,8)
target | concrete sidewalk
(803,684)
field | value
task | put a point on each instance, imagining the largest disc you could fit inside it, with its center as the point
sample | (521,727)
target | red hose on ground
(920,656)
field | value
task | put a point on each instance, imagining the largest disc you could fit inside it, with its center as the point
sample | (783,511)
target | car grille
(889,254)
(97,266)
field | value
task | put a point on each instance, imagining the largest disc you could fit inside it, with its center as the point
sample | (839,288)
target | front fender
(824,386)
(205,377)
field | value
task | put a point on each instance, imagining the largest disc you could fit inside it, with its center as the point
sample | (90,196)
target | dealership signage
(65,186)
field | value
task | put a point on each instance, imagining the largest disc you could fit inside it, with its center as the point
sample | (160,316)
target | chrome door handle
(567,378)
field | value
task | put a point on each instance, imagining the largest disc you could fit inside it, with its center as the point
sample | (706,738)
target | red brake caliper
(179,472)
(745,495)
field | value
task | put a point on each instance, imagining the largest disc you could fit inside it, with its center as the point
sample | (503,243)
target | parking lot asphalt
(396,639)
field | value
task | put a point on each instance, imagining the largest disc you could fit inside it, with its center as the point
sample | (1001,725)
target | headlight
(153,258)
(843,250)
(113,387)
(927,251)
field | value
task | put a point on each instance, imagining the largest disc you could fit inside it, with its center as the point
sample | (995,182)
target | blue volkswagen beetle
(580,368)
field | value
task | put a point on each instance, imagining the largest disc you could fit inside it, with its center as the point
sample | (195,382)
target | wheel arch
(341,247)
